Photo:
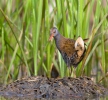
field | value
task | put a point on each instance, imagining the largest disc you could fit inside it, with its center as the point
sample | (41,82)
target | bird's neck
(58,39)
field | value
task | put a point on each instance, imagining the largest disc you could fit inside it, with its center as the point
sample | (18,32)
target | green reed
(25,28)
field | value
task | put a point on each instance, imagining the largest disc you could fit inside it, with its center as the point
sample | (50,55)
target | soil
(43,87)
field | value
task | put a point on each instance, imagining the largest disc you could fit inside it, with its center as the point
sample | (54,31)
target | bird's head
(53,33)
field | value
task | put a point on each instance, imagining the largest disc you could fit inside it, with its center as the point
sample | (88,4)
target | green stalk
(79,17)
(102,47)
(58,5)
(64,18)
(36,29)
(90,44)
(47,30)
(86,19)
(13,57)
(71,16)
(3,45)
(10,25)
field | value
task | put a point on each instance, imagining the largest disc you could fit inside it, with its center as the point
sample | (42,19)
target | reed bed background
(24,33)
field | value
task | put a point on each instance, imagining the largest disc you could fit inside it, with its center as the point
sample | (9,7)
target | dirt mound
(43,87)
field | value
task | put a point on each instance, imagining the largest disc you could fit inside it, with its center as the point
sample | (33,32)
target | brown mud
(43,87)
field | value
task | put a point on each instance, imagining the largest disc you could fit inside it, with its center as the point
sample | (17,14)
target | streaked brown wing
(67,47)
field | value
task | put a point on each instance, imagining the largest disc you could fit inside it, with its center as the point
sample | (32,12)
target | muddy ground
(43,87)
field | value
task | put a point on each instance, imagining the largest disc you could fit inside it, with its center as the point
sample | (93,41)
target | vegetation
(24,33)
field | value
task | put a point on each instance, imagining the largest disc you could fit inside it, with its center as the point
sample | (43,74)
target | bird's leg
(74,72)
(70,71)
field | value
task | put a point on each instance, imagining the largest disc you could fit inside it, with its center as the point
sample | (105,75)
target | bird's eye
(54,31)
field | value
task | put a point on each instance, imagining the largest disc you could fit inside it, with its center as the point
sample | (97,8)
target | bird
(72,51)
